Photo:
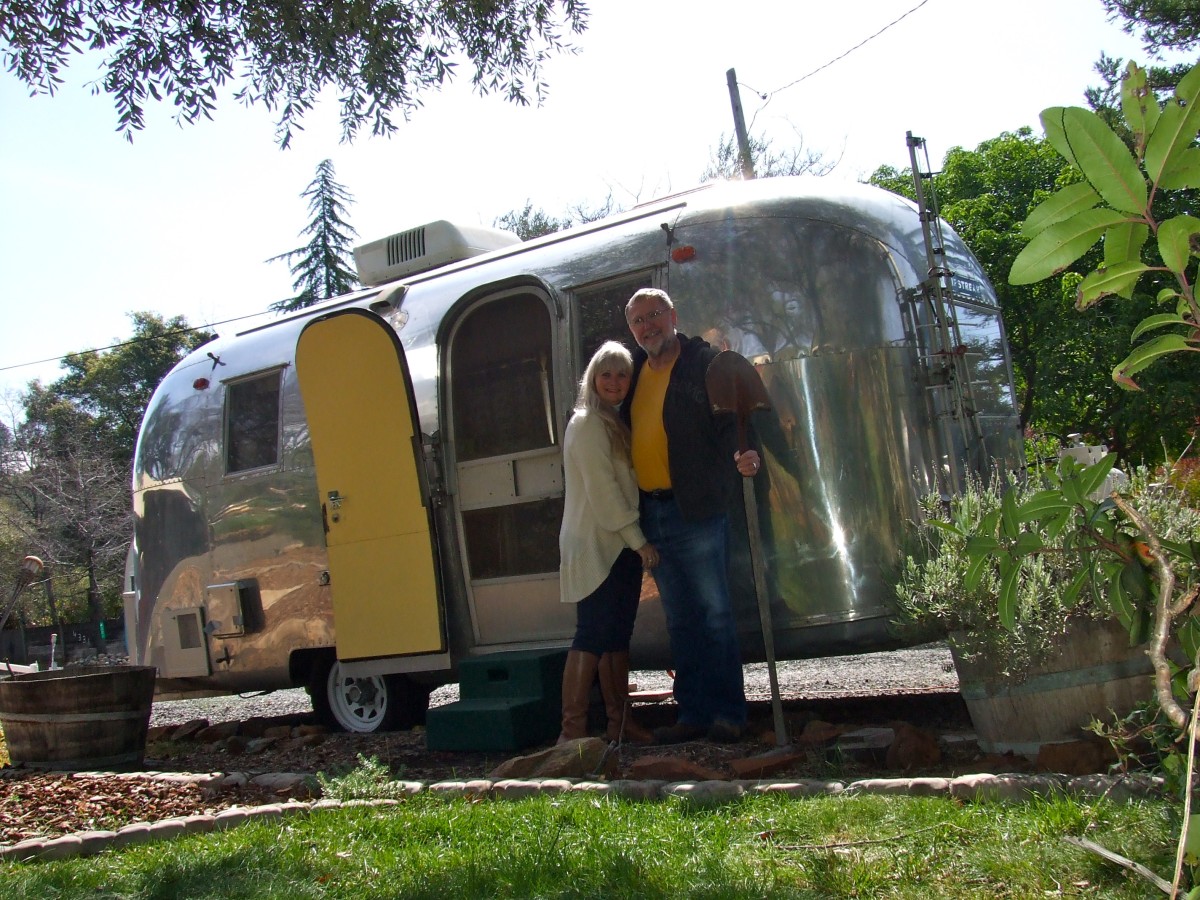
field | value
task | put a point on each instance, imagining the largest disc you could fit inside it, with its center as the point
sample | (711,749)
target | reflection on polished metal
(815,282)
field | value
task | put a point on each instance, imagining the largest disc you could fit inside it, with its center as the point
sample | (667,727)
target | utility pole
(739,126)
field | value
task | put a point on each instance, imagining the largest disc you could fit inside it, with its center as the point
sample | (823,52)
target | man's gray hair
(649,294)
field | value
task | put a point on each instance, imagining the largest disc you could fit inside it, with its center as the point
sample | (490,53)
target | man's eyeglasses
(649,317)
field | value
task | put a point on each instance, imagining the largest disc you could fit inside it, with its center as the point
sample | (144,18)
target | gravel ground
(837,694)
(914,670)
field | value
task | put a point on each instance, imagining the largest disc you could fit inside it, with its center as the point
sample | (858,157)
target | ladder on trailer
(942,351)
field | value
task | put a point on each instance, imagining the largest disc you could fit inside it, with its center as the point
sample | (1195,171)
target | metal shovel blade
(734,386)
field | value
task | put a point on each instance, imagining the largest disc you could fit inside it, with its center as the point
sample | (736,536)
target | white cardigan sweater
(600,514)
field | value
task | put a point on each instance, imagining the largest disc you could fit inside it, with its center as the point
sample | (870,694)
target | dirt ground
(917,685)
(408,757)
(822,699)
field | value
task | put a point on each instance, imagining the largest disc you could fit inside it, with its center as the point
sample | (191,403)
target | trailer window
(602,314)
(982,338)
(502,397)
(252,423)
(506,541)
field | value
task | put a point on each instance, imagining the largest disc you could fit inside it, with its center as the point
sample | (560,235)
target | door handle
(335,504)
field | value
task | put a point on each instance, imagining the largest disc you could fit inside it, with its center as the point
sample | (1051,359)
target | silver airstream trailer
(356,497)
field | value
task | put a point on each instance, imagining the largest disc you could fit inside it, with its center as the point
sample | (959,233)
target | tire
(368,704)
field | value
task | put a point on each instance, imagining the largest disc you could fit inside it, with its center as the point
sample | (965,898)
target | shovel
(734,387)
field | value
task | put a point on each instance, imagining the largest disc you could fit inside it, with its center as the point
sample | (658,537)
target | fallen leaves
(50,804)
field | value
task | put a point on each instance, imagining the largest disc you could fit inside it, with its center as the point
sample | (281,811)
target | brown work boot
(723,732)
(614,685)
(679,733)
(578,675)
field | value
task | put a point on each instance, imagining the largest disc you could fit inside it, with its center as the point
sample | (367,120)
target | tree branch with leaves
(380,57)
(1116,203)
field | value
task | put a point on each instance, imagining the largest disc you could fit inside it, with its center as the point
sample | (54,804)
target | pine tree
(320,266)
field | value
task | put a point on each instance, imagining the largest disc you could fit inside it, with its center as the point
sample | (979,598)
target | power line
(767,97)
(130,342)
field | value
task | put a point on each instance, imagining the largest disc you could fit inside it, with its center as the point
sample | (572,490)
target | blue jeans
(693,582)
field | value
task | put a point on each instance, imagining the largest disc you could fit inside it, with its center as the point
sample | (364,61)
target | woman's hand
(747,463)
(649,556)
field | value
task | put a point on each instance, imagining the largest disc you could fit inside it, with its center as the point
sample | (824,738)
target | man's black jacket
(700,446)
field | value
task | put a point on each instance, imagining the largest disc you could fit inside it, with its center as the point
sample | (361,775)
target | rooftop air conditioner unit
(423,248)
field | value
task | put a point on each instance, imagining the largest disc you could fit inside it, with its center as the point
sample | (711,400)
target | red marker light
(200,384)
(684,253)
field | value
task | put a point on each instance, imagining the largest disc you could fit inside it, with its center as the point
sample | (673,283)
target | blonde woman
(602,549)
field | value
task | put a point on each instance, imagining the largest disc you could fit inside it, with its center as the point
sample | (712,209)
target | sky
(181,221)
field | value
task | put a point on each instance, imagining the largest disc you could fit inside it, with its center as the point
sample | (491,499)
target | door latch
(335,503)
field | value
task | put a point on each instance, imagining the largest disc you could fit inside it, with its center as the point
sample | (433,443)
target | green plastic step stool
(495,723)
(522,673)
(509,701)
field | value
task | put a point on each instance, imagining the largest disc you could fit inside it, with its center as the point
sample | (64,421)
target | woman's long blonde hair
(610,354)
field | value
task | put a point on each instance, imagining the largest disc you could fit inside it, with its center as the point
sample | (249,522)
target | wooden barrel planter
(86,717)
(1094,674)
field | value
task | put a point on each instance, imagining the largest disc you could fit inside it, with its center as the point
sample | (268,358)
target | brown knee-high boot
(578,676)
(614,684)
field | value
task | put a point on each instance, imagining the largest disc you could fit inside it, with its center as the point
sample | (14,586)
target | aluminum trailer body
(356,496)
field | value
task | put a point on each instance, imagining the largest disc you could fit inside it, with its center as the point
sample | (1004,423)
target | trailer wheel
(365,704)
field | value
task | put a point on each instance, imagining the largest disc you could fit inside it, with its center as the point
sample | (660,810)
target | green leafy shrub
(946,587)
(937,595)
(1184,476)
(369,780)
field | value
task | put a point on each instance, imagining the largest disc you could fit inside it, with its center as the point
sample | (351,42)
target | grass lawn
(585,846)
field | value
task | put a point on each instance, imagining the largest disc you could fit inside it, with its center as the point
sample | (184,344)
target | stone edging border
(966,788)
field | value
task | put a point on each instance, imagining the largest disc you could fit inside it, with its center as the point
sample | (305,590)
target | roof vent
(424,248)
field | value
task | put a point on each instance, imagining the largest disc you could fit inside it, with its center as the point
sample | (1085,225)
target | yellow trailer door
(366,448)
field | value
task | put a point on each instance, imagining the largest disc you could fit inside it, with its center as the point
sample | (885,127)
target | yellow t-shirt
(649,447)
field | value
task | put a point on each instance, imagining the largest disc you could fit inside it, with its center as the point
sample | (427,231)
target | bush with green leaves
(1015,612)
(939,594)
(369,780)
(1136,193)
(1184,474)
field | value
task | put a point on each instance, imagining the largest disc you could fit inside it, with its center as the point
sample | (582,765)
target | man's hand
(747,463)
